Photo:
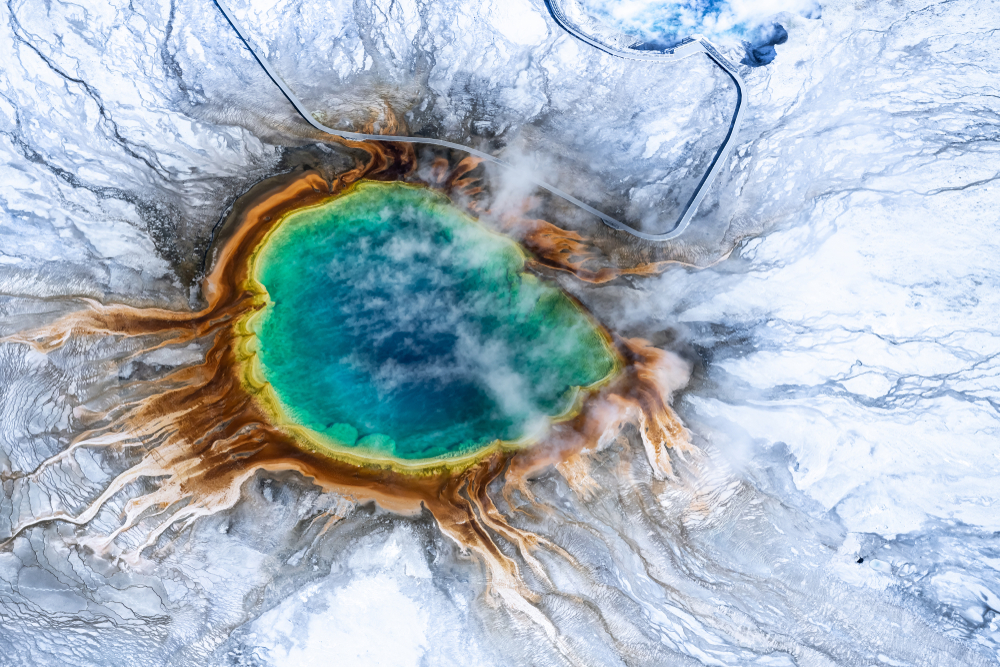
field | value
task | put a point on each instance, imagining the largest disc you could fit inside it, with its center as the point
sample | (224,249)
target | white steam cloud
(664,20)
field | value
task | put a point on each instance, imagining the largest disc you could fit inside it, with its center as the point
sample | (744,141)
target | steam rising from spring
(198,435)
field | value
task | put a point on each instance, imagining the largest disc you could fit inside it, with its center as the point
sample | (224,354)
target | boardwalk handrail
(689,47)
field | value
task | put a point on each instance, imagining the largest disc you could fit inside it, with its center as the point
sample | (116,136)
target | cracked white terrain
(843,504)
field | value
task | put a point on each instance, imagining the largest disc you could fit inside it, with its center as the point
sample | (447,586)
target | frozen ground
(843,391)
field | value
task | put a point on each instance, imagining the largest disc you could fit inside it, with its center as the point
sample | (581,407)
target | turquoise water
(397,325)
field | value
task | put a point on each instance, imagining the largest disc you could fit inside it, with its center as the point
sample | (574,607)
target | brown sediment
(606,255)
(205,434)
(567,250)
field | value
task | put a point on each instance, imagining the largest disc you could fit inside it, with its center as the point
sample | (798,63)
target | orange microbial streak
(204,433)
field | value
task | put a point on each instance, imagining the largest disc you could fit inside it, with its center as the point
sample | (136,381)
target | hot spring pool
(393,326)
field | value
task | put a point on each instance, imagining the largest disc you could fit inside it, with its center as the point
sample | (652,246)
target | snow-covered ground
(844,392)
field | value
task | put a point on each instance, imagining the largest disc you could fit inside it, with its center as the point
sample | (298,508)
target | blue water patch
(760,49)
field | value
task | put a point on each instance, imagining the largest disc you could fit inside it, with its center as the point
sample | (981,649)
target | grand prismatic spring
(395,327)
(366,334)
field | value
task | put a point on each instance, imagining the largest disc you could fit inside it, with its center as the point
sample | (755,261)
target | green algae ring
(395,330)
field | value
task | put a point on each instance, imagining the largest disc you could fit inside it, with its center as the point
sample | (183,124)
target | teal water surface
(396,325)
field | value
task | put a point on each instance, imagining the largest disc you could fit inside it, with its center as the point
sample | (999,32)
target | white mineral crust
(845,506)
